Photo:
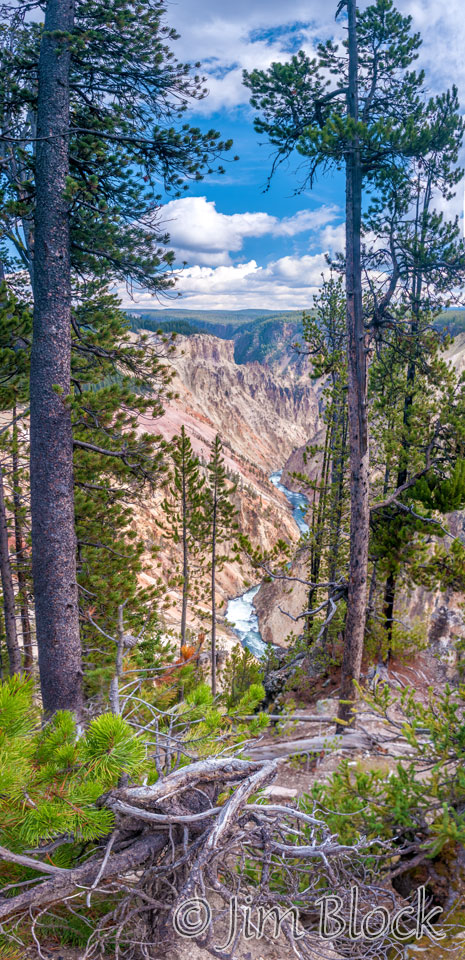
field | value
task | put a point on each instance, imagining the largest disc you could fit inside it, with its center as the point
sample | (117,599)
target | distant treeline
(453,321)
(258,335)
(166,326)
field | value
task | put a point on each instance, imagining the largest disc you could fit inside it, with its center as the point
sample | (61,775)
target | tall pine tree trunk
(9,606)
(185,561)
(388,610)
(357,402)
(338,465)
(319,522)
(402,474)
(21,557)
(213,586)
(52,493)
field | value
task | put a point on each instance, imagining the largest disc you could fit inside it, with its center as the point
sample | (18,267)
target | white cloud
(201,235)
(227,38)
(288,283)
(333,238)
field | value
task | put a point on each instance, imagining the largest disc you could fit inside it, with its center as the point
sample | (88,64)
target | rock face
(261,415)
(300,462)
(266,415)
(277,600)
(441,614)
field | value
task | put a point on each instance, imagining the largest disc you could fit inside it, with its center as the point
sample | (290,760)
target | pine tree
(426,254)
(15,326)
(9,604)
(220,522)
(183,509)
(104,106)
(324,337)
(427,448)
(19,483)
(118,378)
(369,120)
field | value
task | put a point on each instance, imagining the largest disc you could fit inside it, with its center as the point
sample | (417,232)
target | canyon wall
(262,415)
(266,414)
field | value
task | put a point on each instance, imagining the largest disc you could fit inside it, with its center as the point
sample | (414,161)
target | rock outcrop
(262,416)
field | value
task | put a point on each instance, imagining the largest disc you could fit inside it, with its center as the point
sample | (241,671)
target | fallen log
(290,717)
(66,883)
(326,744)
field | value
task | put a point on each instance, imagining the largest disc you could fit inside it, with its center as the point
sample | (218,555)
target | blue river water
(298,501)
(240,612)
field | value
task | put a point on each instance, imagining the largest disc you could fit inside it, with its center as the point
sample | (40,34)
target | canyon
(265,413)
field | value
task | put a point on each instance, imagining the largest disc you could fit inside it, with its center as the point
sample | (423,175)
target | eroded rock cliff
(262,415)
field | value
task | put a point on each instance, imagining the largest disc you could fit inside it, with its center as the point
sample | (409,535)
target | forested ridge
(232,552)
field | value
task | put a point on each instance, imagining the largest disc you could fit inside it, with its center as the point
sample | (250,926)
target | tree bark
(357,402)
(64,884)
(21,558)
(185,559)
(114,685)
(388,611)
(9,606)
(213,586)
(52,490)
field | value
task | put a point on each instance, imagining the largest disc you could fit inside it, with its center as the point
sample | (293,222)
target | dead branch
(328,744)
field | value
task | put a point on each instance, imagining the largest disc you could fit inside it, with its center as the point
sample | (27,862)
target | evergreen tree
(9,604)
(368,120)
(424,253)
(324,336)
(118,380)
(427,448)
(220,521)
(15,326)
(183,509)
(103,107)
(20,511)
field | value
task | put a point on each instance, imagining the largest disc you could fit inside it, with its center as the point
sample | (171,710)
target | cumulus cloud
(229,38)
(288,283)
(200,234)
(333,237)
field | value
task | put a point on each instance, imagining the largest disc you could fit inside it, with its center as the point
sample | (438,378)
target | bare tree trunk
(21,558)
(319,520)
(213,586)
(52,489)
(338,466)
(114,685)
(388,611)
(9,607)
(185,561)
(357,403)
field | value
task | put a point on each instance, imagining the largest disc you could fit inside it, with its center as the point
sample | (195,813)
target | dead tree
(172,841)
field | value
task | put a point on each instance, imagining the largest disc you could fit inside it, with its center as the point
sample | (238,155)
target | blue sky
(245,247)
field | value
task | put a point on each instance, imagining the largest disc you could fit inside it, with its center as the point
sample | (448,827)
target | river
(240,612)
(298,501)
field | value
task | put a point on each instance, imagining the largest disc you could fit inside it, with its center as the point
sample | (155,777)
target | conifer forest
(232,480)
